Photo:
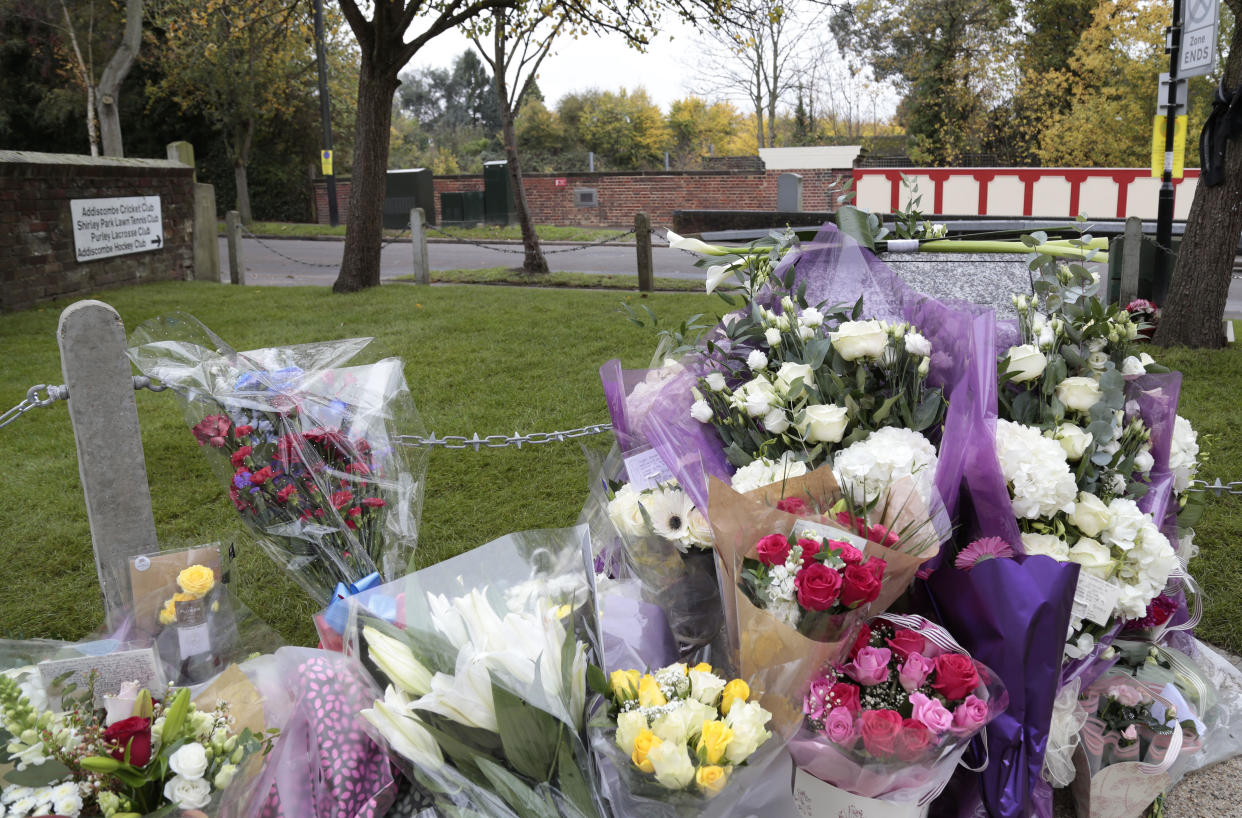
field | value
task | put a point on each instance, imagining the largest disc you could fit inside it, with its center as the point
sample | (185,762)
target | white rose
(763,472)
(705,686)
(625,512)
(715,382)
(1025,362)
(1079,393)
(629,725)
(773,336)
(812,317)
(698,530)
(677,724)
(823,423)
(916,344)
(1143,461)
(790,372)
(190,761)
(701,411)
(776,421)
(1093,556)
(859,339)
(672,765)
(1090,515)
(1073,439)
(1047,544)
(188,793)
(747,720)
(1133,366)
(756,360)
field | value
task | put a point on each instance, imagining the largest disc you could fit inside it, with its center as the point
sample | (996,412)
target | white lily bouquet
(485,677)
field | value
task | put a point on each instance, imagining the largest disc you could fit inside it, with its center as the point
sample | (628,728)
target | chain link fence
(334,264)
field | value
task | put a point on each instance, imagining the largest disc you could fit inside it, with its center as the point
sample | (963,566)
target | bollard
(642,238)
(418,241)
(232,229)
(109,443)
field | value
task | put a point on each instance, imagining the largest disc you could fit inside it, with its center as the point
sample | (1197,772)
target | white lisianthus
(756,397)
(823,423)
(1047,336)
(756,360)
(916,344)
(1133,366)
(773,336)
(395,658)
(1073,439)
(1090,515)
(867,468)
(629,724)
(790,372)
(1025,362)
(706,686)
(1079,393)
(1183,454)
(1094,557)
(672,765)
(715,381)
(625,512)
(748,721)
(1049,545)
(762,472)
(225,776)
(1039,478)
(1098,361)
(812,318)
(1143,461)
(859,339)
(190,761)
(188,793)
(776,421)
(701,411)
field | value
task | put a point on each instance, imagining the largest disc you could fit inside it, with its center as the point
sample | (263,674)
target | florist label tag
(111,671)
(1094,599)
(817,799)
(153,580)
(646,470)
(821,531)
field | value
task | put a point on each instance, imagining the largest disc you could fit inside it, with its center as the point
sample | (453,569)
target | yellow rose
(197,580)
(644,744)
(649,693)
(702,667)
(735,691)
(713,740)
(168,615)
(625,684)
(711,779)
(183,597)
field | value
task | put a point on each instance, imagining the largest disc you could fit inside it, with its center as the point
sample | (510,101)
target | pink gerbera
(986,548)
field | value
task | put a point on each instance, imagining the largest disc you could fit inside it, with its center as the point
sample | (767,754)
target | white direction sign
(1198,54)
(116,227)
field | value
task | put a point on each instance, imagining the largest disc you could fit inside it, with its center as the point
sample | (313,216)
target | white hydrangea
(643,396)
(1039,478)
(867,468)
(1183,454)
(763,472)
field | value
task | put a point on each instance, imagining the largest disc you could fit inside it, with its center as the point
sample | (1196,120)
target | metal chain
(517,439)
(1218,488)
(504,249)
(59,393)
(333,265)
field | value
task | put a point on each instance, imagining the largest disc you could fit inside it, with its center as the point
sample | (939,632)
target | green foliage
(625,129)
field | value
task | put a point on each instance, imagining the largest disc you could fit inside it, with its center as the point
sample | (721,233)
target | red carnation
(359,468)
(212,430)
(238,458)
(793,505)
(242,431)
(284,494)
(134,733)
(374,502)
(342,498)
(262,476)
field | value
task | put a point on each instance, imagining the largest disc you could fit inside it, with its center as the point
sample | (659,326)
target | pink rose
(870,666)
(773,549)
(971,714)
(839,727)
(915,671)
(931,713)
(1126,695)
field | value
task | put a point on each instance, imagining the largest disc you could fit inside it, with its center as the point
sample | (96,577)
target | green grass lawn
(589,281)
(490,360)
(483,232)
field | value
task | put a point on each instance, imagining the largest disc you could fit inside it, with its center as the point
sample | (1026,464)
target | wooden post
(110,459)
(232,229)
(642,238)
(418,240)
(1131,253)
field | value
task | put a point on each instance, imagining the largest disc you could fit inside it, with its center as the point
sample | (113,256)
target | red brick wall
(36,228)
(621,195)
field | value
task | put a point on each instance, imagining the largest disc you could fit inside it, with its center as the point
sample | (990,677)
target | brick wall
(621,195)
(36,229)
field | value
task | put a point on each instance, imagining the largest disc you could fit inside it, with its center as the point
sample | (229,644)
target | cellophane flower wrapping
(905,759)
(309,448)
(483,660)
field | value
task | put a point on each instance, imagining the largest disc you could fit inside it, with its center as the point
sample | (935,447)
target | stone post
(642,238)
(418,241)
(232,229)
(1131,254)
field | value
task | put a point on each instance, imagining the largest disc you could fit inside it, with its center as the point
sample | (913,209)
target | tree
(1195,306)
(699,128)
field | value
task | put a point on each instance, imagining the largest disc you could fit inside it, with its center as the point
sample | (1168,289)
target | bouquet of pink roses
(892,722)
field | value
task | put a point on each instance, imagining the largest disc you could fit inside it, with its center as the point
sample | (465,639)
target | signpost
(115,227)
(1198,51)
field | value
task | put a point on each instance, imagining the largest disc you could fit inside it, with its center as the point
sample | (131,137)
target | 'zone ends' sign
(116,227)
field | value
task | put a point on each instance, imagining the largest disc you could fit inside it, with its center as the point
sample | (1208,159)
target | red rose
(853,523)
(879,731)
(374,502)
(242,431)
(134,732)
(793,505)
(262,476)
(341,499)
(818,586)
(956,677)
(876,566)
(864,639)
(913,740)
(859,586)
(847,552)
(773,549)
(809,549)
(879,534)
(844,694)
(238,457)
(284,494)
(905,642)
